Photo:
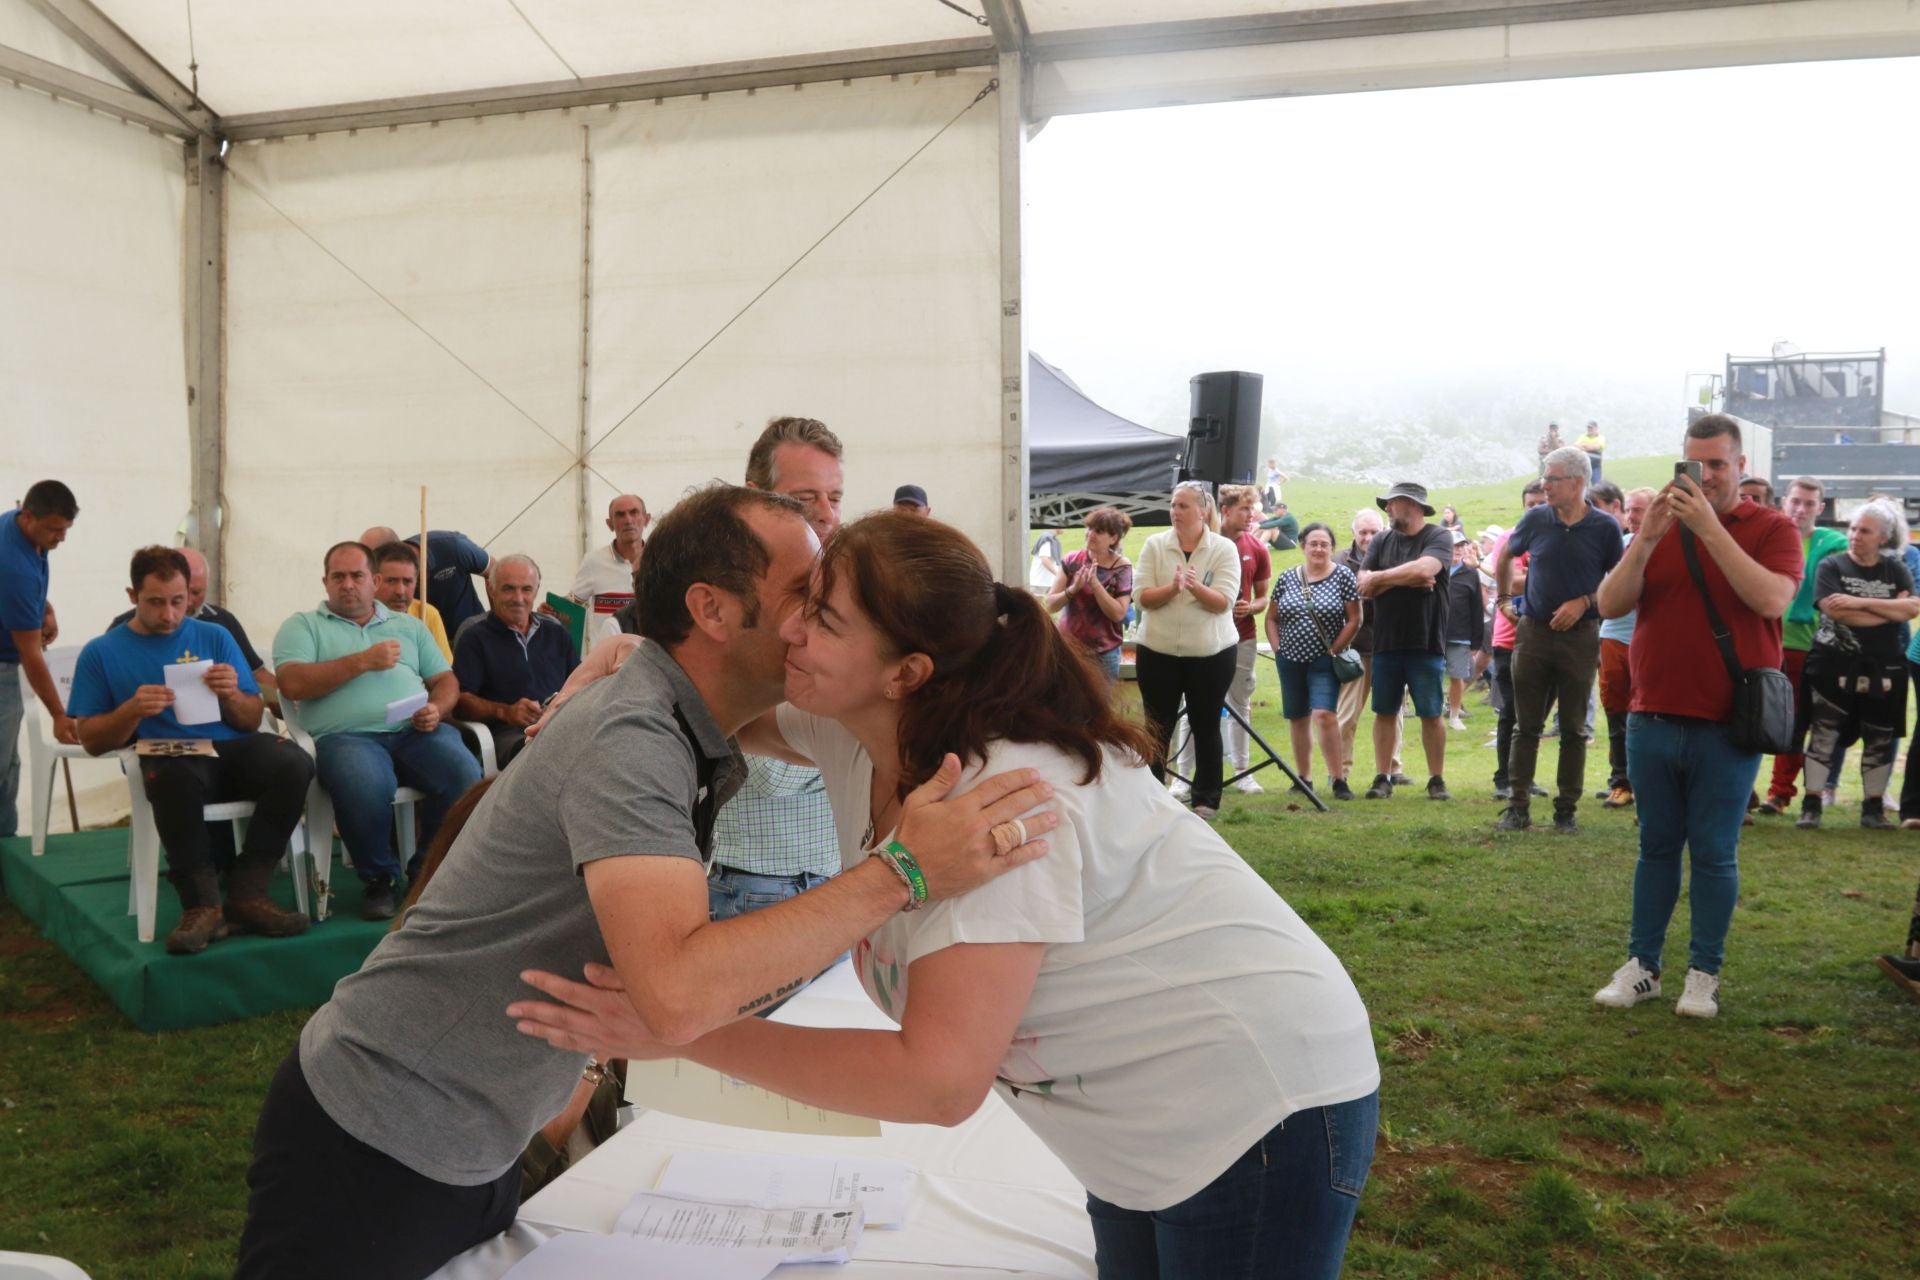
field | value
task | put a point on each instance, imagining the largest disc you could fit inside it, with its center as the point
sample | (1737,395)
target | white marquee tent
(269,267)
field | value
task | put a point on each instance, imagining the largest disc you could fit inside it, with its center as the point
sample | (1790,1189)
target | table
(989,1199)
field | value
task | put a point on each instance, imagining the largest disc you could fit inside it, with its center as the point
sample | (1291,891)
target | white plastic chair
(319,842)
(37,1266)
(143,846)
(43,752)
(478,735)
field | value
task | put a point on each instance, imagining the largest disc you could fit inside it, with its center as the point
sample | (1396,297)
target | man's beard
(1402,524)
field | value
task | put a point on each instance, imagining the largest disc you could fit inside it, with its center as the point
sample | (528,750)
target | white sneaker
(1178,789)
(1457,722)
(1701,999)
(1632,983)
(1249,785)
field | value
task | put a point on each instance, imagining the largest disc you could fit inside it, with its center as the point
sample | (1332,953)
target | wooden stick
(422,596)
(73,808)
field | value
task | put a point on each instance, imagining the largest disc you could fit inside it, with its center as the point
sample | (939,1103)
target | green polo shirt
(1797,629)
(359,705)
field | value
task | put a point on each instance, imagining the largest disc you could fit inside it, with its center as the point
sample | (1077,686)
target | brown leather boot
(261,916)
(198,926)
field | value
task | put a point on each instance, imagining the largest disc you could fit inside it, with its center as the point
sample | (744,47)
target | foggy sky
(1591,239)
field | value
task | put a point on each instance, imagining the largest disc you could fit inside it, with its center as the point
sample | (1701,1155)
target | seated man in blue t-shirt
(120,695)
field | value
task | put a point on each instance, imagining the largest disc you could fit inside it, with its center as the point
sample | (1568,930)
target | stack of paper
(882,1187)
(694,1239)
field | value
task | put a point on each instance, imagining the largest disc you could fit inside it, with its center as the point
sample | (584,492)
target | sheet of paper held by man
(884,1187)
(193,702)
(403,708)
(803,1233)
(693,1092)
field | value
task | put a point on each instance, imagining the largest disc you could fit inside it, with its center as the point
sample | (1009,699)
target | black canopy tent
(1081,456)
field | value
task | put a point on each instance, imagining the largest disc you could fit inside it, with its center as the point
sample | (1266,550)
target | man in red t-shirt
(1239,507)
(1689,784)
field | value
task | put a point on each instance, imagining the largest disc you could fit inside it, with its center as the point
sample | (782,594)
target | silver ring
(1022,824)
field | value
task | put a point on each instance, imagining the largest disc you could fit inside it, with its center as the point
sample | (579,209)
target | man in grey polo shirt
(400,1118)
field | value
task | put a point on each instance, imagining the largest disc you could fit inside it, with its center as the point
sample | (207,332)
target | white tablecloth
(989,1199)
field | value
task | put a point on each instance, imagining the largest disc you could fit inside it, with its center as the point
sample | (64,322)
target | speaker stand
(1273,758)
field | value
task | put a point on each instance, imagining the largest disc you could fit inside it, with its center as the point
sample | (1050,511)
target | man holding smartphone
(1689,783)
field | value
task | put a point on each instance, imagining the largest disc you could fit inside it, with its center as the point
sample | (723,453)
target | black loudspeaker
(1223,431)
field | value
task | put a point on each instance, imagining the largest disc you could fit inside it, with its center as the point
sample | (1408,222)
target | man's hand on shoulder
(952,837)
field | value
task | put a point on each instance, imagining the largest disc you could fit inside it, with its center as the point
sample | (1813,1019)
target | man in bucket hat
(1400,574)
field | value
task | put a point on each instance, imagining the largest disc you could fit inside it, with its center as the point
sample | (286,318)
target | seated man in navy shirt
(120,695)
(512,660)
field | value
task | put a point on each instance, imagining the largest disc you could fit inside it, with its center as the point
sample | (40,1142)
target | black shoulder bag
(1762,696)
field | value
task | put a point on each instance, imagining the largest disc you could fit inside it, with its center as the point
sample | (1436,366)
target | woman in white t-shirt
(1185,584)
(1148,1005)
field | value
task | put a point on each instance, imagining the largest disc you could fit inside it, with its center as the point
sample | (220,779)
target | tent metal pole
(99,36)
(1337,22)
(51,78)
(206,307)
(584,517)
(1013,324)
(759,73)
(1008,21)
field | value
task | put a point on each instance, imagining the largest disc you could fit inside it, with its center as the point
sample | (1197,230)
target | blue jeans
(1109,662)
(361,771)
(12,711)
(733,893)
(1690,788)
(1412,672)
(1285,1208)
(1307,687)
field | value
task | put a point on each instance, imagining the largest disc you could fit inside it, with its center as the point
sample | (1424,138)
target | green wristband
(916,878)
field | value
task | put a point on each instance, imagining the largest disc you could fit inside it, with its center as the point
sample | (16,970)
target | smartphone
(1689,469)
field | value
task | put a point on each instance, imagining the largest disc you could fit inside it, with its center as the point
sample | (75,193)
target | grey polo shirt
(413,1055)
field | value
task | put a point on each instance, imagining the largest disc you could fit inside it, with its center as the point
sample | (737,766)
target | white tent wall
(91,356)
(888,330)
(404,308)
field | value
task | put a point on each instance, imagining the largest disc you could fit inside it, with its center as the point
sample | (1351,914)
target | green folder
(574,615)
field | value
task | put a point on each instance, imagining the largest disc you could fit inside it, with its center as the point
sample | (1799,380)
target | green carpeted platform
(77,896)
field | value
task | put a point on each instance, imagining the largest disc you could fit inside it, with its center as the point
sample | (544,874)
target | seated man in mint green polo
(352,666)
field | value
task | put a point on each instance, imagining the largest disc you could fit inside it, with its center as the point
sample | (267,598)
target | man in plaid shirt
(775,837)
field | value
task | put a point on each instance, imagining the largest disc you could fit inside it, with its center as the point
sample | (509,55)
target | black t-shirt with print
(1885,579)
(1411,618)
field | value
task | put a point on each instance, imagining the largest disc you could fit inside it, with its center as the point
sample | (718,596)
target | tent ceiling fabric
(271,55)
(22,27)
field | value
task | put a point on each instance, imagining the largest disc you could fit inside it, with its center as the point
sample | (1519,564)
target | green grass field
(1524,1133)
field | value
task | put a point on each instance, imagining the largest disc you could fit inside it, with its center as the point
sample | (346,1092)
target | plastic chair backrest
(61,663)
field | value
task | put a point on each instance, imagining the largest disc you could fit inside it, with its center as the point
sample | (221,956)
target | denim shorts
(1307,686)
(1412,672)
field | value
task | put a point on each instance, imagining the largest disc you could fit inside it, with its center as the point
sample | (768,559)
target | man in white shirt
(604,582)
